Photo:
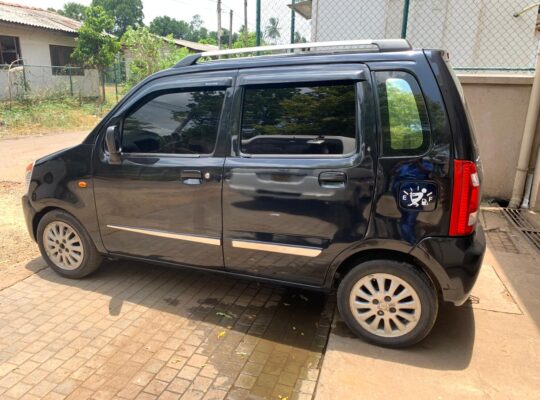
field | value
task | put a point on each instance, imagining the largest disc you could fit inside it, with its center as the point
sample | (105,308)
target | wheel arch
(39,216)
(345,265)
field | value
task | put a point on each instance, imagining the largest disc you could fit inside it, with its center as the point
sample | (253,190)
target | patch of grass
(50,115)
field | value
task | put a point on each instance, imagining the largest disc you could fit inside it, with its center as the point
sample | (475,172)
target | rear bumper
(29,214)
(454,261)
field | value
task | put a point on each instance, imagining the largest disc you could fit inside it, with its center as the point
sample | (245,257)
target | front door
(299,181)
(163,201)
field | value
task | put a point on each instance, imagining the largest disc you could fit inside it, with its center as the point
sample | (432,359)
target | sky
(179,9)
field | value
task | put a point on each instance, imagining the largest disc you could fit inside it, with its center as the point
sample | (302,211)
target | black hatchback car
(354,170)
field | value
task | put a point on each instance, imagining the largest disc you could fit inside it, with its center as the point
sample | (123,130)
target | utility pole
(219,24)
(230,29)
(292,22)
(245,24)
(258,23)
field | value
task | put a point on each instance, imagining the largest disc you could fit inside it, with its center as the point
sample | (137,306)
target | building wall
(34,47)
(498,104)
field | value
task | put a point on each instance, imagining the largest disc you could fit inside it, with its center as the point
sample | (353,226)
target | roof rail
(381,44)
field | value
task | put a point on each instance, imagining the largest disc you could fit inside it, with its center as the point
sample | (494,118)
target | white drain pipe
(535,187)
(528,138)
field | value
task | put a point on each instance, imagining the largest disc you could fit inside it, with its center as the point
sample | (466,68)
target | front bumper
(454,261)
(29,214)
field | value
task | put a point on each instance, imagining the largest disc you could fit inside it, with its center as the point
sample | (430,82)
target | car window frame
(382,154)
(206,80)
(318,75)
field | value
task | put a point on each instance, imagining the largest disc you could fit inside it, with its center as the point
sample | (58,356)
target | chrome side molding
(277,248)
(170,235)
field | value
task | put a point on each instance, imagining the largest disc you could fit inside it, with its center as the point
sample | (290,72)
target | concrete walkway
(18,153)
(488,349)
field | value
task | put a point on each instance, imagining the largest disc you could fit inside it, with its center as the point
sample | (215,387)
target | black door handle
(191,177)
(333,179)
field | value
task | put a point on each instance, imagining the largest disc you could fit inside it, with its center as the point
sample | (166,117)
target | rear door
(163,201)
(299,181)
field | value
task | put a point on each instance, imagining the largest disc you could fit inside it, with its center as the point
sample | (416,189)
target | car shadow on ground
(449,346)
(284,315)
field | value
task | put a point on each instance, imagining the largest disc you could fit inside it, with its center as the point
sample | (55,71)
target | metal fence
(480,35)
(39,81)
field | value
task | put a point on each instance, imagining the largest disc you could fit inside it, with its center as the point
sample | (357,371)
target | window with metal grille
(10,49)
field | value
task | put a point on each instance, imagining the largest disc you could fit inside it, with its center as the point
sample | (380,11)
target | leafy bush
(149,53)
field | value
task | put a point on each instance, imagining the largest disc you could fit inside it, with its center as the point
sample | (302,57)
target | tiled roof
(37,17)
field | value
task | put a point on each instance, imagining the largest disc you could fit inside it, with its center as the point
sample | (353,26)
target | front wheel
(66,246)
(389,303)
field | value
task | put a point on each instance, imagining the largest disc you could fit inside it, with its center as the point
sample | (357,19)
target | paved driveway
(135,330)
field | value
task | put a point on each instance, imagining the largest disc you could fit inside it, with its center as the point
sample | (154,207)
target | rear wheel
(66,246)
(387,302)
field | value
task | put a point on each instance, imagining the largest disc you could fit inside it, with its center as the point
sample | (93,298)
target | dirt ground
(16,246)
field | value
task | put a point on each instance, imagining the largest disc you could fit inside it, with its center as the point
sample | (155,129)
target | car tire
(389,303)
(66,246)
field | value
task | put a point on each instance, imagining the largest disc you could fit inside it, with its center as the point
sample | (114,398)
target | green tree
(165,25)
(124,12)
(251,41)
(95,48)
(149,53)
(73,10)
(272,29)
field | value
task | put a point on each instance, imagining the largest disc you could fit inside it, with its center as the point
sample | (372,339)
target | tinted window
(405,125)
(318,119)
(174,123)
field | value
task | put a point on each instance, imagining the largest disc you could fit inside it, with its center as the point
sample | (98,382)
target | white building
(478,34)
(44,41)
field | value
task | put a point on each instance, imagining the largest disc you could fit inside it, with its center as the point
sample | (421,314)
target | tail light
(465,198)
(28,177)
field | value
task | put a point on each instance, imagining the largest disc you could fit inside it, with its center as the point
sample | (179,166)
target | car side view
(351,165)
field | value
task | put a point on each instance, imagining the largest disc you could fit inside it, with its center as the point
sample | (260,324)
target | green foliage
(149,53)
(41,115)
(95,49)
(165,25)
(251,41)
(209,40)
(124,13)
(180,29)
(73,10)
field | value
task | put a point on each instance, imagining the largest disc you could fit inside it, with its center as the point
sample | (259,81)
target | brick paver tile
(141,331)
(18,390)
(215,394)
(188,372)
(42,388)
(155,387)
(167,395)
(197,361)
(179,385)
(191,394)
(167,374)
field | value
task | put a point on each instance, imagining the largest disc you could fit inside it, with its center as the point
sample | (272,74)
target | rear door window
(404,117)
(299,119)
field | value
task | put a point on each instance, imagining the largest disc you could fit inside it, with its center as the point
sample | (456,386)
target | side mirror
(112,148)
